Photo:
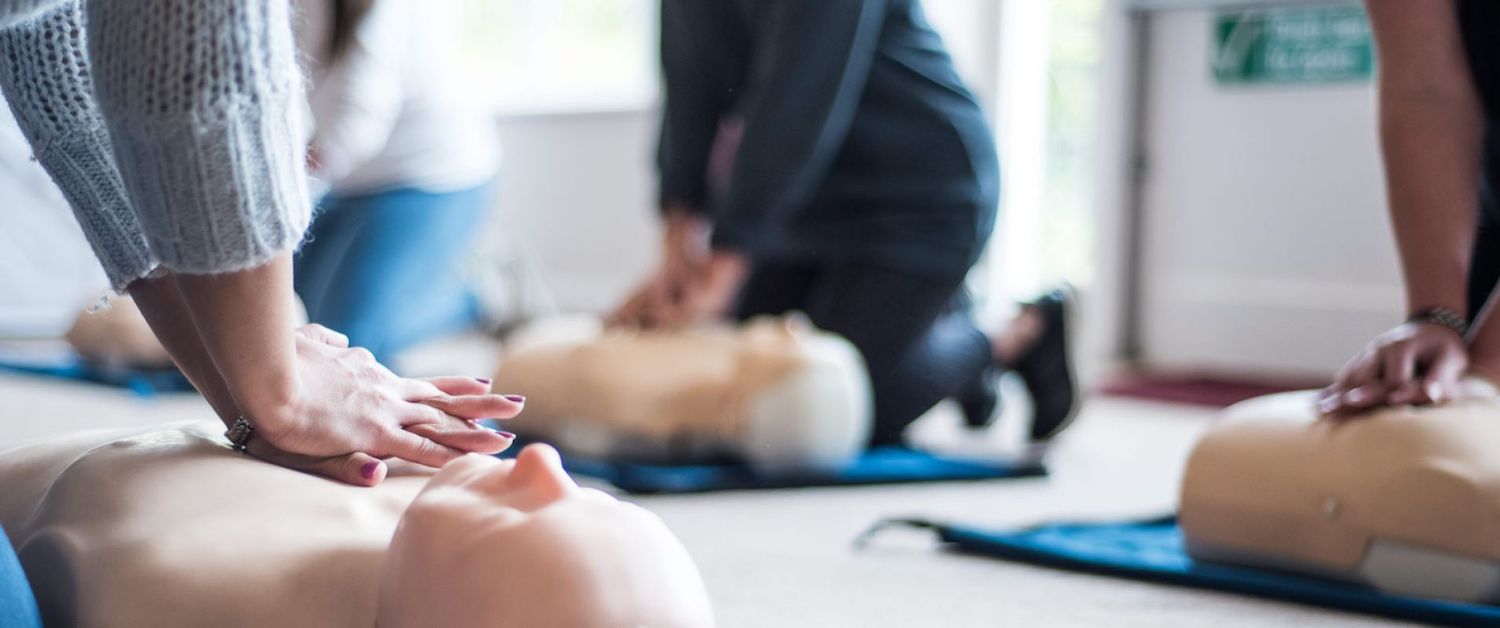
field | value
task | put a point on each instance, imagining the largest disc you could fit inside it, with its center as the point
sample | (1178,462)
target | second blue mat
(1153,551)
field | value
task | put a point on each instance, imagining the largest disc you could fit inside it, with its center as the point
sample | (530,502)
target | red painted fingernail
(369,470)
(516,398)
(483,380)
(506,434)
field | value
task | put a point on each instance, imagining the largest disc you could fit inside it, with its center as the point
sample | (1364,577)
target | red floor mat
(1216,392)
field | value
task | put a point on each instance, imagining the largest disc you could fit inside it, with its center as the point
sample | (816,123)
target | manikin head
(499,543)
(776,391)
(816,409)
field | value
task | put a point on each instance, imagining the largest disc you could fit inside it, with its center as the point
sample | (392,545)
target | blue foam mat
(143,382)
(1153,551)
(881,465)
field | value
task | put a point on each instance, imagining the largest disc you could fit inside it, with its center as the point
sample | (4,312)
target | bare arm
(1431,127)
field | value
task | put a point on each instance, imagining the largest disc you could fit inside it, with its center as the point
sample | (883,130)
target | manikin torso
(1405,499)
(773,392)
(168,527)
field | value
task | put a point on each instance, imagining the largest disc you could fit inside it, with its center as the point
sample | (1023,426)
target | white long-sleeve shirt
(391,111)
(47,273)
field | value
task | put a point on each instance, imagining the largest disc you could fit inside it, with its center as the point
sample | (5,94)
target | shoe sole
(1069,304)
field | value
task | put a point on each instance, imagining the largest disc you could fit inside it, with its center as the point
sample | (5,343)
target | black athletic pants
(916,333)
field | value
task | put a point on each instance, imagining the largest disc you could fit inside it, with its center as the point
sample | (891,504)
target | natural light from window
(558,56)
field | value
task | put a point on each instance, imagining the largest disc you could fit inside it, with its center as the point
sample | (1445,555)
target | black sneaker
(980,398)
(1047,367)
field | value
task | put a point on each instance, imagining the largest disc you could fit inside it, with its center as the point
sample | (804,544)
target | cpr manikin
(117,335)
(169,528)
(774,392)
(1405,499)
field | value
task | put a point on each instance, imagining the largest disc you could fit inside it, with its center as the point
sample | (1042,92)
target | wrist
(1441,316)
(686,238)
(683,221)
(269,404)
(1438,290)
(728,264)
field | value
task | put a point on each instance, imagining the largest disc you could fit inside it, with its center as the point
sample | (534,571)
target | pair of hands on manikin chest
(695,283)
(1415,363)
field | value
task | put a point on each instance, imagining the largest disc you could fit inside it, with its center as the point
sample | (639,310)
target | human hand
(1414,363)
(646,303)
(357,468)
(685,254)
(707,294)
(348,411)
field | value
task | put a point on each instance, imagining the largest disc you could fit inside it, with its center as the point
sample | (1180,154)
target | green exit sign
(1327,44)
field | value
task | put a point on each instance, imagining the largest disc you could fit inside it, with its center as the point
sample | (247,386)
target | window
(529,56)
(1035,67)
(1048,96)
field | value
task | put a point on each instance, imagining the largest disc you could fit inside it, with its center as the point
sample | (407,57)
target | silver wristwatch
(1442,317)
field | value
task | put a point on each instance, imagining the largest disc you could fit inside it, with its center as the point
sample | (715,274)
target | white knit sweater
(173,127)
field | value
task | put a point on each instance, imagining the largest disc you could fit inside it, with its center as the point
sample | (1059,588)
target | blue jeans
(17,606)
(383,268)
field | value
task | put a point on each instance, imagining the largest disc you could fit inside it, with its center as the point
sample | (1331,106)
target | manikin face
(500,543)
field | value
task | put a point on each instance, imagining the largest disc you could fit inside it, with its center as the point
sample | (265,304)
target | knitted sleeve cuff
(204,102)
(83,168)
(46,81)
(219,195)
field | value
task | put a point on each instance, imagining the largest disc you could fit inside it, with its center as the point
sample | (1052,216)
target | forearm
(1431,148)
(1431,128)
(161,303)
(246,322)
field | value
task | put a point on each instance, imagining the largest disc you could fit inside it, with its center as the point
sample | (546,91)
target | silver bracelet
(239,435)
(1441,316)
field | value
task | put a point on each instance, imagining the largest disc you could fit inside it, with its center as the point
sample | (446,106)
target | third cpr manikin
(1404,499)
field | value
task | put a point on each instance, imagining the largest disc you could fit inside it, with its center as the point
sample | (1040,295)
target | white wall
(1265,243)
(578,193)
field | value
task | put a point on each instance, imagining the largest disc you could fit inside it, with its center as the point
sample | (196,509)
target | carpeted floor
(784,558)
